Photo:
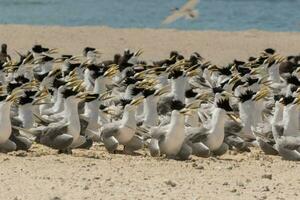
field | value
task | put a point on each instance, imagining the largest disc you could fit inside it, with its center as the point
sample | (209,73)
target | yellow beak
(137,101)
(15,95)
(186,111)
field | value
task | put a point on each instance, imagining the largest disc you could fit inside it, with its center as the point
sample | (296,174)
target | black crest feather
(238,62)
(277,97)
(102,107)
(39,49)
(66,56)
(243,70)
(69,92)
(3,97)
(136,90)
(58,82)
(261,60)
(270,51)
(87,49)
(271,63)
(175,74)
(288,100)
(217,89)
(129,73)
(25,100)
(22,79)
(91,97)
(177,105)
(246,96)
(225,70)
(11,86)
(125,102)
(224,83)
(72,66)
(47,59)
(251,81)
(293,80)
(30,93)
(130,80)
(148,92)
(224,104)
(40,77)
(238,83)
(190,93)
(250,59)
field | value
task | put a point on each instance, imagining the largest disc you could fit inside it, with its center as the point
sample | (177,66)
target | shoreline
(146,28)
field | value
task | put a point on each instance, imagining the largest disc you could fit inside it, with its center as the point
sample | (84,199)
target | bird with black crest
(6,101)
(267,136)
(65,134)
(286,135)
(91,54)
(126,63)
(4,56)
(291,64)
(212,134)
(178,77)
(122,132)
(169,140)
(169,61)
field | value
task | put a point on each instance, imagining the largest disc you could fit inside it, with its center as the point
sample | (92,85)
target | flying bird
(188,11)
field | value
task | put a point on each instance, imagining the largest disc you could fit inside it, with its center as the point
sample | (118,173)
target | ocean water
(271,15)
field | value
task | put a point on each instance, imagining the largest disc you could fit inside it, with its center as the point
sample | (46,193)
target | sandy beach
(94,174)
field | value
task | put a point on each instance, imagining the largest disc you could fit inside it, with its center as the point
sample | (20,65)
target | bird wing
(191,4)
(278,131)
(173,17)
(16,122)
(143,131)
(17,131)
(289,142)
(56,124)
(232,127)
(196,134)
(109,130)
(40,120)
(163,105)
(158,133)
(53,132)
(32,131)
(83,124)
(81,107)
(192,14)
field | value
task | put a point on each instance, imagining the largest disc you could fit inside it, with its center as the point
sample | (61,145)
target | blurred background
(230,15)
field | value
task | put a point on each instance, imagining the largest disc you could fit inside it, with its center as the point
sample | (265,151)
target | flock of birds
(176,107)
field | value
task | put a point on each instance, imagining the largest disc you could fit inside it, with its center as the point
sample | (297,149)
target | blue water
(272,15)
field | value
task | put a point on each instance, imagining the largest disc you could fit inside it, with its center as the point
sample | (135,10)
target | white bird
(188,11)
(169,139)
(123,131)
(6,145)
